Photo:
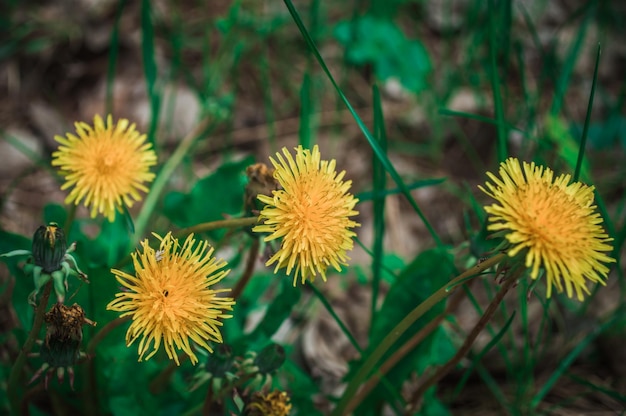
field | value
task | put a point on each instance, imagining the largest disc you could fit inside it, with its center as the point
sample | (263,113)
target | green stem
(16,372)
(163,177)
(160,382)
(583,138)
(404,325)
(401,352)
(207,226)
(495,86)
(214,225)
(70,219)
(247,273)
(469,341)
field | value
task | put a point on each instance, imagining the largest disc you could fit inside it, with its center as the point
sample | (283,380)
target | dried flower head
(106,165)
(552,222)
(170,298)
(60,350)
(275,403)
(310,214)
(261,181)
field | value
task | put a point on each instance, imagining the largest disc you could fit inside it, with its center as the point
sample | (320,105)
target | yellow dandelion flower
(170,297)
(310,213)
(552,222)
(106,165)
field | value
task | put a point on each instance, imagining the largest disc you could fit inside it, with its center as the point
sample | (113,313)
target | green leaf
(280,308)
(212,197)
(126,381)
(302,389)
(379,42)
(379,177)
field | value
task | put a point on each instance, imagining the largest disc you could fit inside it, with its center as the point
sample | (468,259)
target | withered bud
(275,403)
(61,347)
(260,181)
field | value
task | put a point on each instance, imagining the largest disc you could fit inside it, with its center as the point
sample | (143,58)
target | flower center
(547,216)
(108,163)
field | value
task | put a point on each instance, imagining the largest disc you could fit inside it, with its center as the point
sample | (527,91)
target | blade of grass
(568,67)
(495,87)
(494,388)
(355,344)
(114,45)
(583,139)
(372,141)
(306,112)
(371,254)
(569,359)
(34,157)
(530,99)
(611,393)
(448,112)
(525,383)
(164,174)
(150,67)
(379,177)
(505,27)
(481,354)
(268,103)
(320,296)
(371,362)
(372,195)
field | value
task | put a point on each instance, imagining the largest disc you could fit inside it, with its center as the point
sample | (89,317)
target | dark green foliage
(211,198)
(379,42)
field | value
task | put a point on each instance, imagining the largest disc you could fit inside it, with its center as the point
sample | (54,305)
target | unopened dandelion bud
(221,362)
(49,247)
(270,359)
(261,181)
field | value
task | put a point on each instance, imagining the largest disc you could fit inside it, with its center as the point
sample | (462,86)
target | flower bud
(221,362)
(261,181)
(49,247)
(270,358)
